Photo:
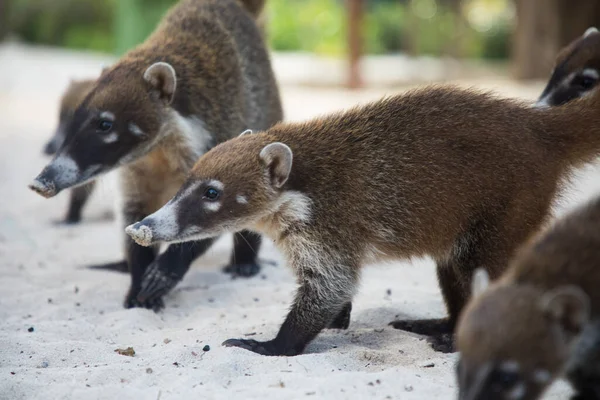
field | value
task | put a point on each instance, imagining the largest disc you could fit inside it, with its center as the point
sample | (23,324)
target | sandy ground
(60,323)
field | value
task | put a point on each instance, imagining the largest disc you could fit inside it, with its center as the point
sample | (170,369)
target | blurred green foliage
(416,26)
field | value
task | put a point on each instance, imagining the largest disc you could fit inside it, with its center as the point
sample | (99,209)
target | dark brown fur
(510,322)
(459,175)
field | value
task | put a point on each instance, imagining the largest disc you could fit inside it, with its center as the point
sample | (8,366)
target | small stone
(49,301)
(206,348)
(77,304)
(429,365)
(30,329)
(408,388)
(126,352)
(167,341)
(44,364)
(389,292)
(13,373)
(76,290)
(194,353)
(176,364)
(149,370)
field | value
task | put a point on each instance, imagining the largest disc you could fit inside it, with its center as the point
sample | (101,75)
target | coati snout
(212,204)
(109,129)
(576,72)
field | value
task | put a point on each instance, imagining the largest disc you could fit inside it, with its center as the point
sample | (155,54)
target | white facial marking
(510,366)
(541,376)
(135,129)
(246,132)
(590,73)
(212,205)
(216,184)
(110,138)
(589,31)
(68,171)
(107,115)
(241,199)
(518,392)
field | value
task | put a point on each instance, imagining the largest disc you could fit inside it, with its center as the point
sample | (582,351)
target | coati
(71,98)
(201,78)
(459,175)
(540,320)
(576,71)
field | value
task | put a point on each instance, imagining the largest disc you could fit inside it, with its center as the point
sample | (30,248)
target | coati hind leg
(169,268)
(324,293)
(244,258)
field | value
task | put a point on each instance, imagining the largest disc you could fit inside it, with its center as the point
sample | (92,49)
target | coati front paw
(428,327)
(443,343)
(342,321)
(264,348)
(243,270)
(156,283)
(131,301)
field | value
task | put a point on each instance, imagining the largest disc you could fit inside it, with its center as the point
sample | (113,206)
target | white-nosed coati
(459,175)
(576,71)
(540,320)
(201,78)
(75,93)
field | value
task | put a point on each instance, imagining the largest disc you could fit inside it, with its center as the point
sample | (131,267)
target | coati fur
(70,99)
(540,320)
(201,78)
(576,71)
(459,175)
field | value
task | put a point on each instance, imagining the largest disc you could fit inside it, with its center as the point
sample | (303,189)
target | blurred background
(519,36)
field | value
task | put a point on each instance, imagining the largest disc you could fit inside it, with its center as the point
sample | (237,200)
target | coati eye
(584,81)
(105,125)
(212,194)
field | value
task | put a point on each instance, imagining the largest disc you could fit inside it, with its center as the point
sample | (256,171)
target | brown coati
(71,98)
(540,320)
(576,71)
(201,78)
(459,175)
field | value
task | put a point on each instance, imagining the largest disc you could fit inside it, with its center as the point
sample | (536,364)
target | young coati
(540,320)
(576,71)
(71,98)
(201,78)
(459,175)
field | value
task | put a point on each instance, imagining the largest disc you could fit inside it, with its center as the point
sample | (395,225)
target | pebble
(206,348)
(30,329)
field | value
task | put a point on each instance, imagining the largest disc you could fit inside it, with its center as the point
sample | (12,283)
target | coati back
(540,320)
(459,175)
(201,78)
(73,95)
(576,71)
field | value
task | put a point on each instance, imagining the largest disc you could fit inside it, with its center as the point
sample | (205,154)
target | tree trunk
(355,20)
(543,28)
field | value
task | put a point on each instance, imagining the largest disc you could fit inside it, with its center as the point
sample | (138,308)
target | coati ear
(481,281)
(589,31)
(163,79)
(278,159)
(104,69)
(246,132)
(569,306)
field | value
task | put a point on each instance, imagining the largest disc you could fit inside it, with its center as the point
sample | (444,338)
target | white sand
(77,315)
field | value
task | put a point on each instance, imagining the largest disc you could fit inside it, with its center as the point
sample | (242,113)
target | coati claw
(117,266)
(428,327)
(263,348)
(156,283)
(243,270)
(443,343)
(155,304)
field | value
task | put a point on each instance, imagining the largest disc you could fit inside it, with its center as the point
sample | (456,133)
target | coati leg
(138,260)
(79,196)
(325,291)
(342,321)
(244,258)
(169,268)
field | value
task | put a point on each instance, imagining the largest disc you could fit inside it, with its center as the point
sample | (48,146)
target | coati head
(576,72)
(71,98)
(232,187)
(514,339)
(123,116)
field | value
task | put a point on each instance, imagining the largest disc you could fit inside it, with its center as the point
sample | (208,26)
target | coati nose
(43,187)
(141,232)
